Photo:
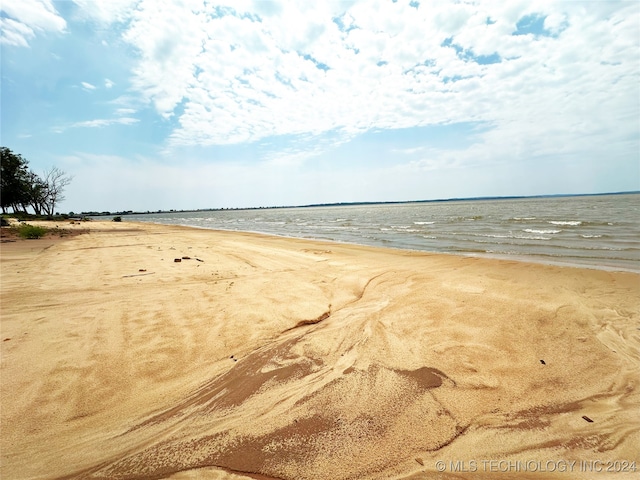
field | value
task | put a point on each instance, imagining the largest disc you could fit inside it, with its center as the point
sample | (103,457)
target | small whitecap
(542,232)
(571,223)
(489,235)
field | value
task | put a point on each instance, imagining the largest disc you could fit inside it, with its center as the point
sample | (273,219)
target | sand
(267,357)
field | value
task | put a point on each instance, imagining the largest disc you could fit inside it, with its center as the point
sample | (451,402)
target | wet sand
(267,357)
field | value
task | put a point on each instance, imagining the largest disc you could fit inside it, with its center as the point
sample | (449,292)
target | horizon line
(355,203)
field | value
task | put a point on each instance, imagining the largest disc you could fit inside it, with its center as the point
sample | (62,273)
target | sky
(190,104)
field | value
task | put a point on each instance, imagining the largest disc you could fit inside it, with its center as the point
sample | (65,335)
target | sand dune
(281,358)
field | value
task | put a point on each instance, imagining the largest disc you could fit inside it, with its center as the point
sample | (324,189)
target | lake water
(597,231)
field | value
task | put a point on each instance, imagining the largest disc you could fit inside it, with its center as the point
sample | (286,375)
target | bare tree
(54,183)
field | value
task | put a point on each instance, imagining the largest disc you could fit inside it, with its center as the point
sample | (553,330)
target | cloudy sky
(160,104)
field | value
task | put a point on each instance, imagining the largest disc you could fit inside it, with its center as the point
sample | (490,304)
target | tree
(13,180)
(54,183)
(37,190)
(21,188)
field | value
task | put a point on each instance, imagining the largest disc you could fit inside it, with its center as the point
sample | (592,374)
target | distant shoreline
(347,204)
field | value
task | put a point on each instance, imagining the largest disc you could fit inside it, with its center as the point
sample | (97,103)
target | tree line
(21,188)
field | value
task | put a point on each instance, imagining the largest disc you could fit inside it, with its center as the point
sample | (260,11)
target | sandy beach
(267,357)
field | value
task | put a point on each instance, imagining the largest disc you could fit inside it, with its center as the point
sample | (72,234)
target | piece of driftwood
(138,274)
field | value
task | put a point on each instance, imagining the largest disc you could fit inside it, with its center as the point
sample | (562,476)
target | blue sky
(161,104)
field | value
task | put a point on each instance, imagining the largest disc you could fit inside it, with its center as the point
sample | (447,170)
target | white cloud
(245,71)
(108,83)
(97,123)
(238,79)
(26,17)
(555,23)
(125,111)
(15,33)
(104,122)
(106,12)
(409,151)
(88,86)
(126,101)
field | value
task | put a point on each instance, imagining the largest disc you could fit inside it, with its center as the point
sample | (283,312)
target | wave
(524,237)
(542,232)
(423,223)
(490,235)
(510,237)
(573,223)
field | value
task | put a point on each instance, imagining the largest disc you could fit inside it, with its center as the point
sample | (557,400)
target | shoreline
(522,258)
(295,358)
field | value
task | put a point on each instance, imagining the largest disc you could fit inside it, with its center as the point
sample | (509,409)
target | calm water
(598,231)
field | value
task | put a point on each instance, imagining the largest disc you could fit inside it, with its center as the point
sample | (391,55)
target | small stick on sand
(138,275)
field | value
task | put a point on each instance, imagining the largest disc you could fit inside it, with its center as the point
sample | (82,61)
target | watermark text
(536,466)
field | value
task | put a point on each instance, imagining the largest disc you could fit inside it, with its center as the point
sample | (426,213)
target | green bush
(117,219)
(4,222)
(31,231)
